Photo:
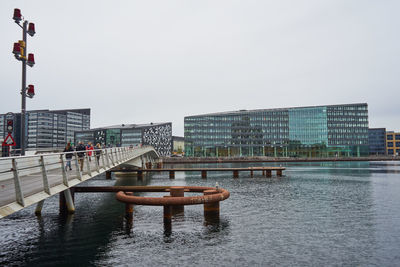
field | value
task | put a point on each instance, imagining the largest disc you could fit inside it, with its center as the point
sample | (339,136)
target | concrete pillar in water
(66,201)
(177,191)
(171,174)
(251,173)
(39,206)
(140,175)
(279,173)
(129,209)
(236,174)
(211,210)
(203,174)
(108,175)
(167,217)
(268,173)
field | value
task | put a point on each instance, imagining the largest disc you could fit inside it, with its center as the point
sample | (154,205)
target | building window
(390,144)
(389,137)
(390,151)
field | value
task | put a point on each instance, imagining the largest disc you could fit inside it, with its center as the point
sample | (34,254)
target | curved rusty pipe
(221,195)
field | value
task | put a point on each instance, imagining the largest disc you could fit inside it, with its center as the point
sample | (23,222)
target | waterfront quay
(199,160)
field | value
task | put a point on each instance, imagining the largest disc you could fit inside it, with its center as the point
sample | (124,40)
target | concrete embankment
(272,159)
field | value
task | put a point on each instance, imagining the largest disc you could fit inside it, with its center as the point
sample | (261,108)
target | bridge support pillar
(235,174)
(279,173)
(140,175)
(67,201)
(204,174)
(211,210)
(108,175)
(268,173)
(167,218)
(171,174)
(39,206)
(129,209)
(177,191)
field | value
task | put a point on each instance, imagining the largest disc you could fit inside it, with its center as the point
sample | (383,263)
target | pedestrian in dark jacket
(80,149)
(68,156)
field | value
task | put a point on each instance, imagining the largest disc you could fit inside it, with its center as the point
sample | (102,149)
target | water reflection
(318,214)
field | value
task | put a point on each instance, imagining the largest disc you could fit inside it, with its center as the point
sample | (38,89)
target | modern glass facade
(321,131)
(377,141)
(49,128)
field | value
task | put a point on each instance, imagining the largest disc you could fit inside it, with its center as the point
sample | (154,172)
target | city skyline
(160,61)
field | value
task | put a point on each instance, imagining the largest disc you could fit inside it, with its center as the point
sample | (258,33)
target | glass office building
(158,135)
(377,141)
(320,131)
(47,128)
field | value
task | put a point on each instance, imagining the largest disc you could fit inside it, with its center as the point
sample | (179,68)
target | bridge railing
(25,176)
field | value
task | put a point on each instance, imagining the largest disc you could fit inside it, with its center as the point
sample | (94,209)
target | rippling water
(320,214)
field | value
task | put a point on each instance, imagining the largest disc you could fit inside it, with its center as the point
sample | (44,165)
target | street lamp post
(20,53)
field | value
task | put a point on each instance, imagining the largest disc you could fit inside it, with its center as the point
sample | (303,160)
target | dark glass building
(320,131)
(47,128)
(158,135)
(377,141)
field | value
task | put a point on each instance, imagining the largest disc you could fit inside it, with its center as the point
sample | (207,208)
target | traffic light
(10,126)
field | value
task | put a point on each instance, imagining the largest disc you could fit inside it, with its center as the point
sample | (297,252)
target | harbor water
(317,214)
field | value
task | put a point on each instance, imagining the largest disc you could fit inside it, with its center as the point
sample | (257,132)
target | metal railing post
(18,190)
(112,157)
(63,170)
(108,159)
(44,175)
(88,164)
(96,162)
(78,168)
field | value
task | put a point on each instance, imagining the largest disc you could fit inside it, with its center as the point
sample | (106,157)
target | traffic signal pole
(23,89)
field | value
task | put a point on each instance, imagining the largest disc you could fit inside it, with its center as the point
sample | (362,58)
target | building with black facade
(317,131)
(377,141)
(158,135)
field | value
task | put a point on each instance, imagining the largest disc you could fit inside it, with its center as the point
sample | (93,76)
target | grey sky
(157,61)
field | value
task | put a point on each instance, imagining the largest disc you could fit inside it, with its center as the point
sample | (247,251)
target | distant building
(178,145)
(393,143)
(317,131)
(48,128)
(377,141)
(158,135)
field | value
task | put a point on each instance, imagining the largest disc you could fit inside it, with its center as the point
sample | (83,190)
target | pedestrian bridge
(27,180)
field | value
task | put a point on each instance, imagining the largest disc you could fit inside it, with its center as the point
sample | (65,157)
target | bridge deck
(27,180)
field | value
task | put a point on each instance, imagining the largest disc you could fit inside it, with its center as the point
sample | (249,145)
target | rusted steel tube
(268,173)
(204,174)
(171,174)
(235,174)
(211,210)
(177,191)
(251,173)
(279,173)
(173,201)
(140,174)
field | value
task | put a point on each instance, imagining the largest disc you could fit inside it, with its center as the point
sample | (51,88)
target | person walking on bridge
(80,149)
(98,152)
(68,156)
(89,149)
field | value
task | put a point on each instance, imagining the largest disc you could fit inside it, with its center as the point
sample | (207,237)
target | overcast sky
(158,61)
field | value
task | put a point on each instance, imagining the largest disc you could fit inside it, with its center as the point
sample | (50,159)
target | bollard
(167,217)
(171,174)
(108,175)
(129,209)
(203,174)
(279,173)
(211,210)
(177,191)
(268,173)
(236,174)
